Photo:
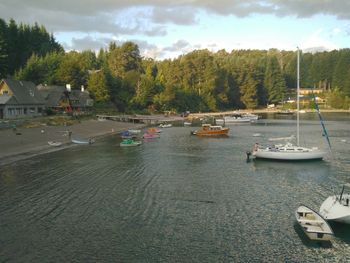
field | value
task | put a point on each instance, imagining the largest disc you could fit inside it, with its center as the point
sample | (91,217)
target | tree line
(198,81)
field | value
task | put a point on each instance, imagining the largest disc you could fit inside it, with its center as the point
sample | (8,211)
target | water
(179,198)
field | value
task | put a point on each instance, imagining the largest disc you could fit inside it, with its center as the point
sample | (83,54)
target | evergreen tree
(274,82)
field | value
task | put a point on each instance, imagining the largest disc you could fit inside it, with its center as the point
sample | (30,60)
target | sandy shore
(34,141)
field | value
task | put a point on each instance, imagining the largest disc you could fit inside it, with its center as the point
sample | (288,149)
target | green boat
(129,142)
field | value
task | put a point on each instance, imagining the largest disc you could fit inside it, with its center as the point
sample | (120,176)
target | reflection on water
(179,198)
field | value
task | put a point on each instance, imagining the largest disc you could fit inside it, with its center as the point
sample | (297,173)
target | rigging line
(322,122)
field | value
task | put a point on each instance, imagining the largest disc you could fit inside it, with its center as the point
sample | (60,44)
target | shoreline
(30,142)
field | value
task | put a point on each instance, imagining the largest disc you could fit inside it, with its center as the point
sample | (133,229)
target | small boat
(337,208)
(129,143)
(150,135)
(257,135)
(153,130)
(134,131)
(313,224)
(211,131)
(128,135)
(285,112)
(54,143)
(81,141)
(186,123)
(165,125)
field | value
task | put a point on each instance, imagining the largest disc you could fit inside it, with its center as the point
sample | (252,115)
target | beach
(27,142)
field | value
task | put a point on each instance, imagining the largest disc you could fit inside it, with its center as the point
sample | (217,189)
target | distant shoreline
(257,111)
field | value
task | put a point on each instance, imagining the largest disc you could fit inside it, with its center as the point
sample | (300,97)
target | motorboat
(211,131)
(313,224)
(54,143)
(238,118)
(289,151)
(337,208)
(186,123)
(129,143)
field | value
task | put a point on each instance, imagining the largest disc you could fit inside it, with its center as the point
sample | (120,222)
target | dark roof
(53,94)
(25,92)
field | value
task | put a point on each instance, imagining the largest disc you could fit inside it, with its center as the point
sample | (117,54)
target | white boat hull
(288,152)
(332,209)
(289,156)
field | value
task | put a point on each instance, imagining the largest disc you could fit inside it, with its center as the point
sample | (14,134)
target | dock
(146,119)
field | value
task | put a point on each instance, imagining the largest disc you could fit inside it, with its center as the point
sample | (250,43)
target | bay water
(179,198)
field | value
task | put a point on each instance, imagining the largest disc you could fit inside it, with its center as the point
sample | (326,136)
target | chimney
(68,87)
(82,88)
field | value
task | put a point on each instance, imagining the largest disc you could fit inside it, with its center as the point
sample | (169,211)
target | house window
(32,110)
(25,111)
(18,111)
(11,111)
(40,110)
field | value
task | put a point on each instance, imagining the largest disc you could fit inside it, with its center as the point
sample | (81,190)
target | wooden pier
(147,119)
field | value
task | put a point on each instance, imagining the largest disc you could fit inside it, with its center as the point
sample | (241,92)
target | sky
(167,28)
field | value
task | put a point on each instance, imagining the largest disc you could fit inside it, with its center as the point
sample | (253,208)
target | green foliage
(22,41)
(98,87)
(198,81)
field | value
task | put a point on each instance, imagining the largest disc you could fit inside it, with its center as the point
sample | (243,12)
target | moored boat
(337,208)
(129,143)
(211,131)
(153,130)
(150,135)
(54,143)
(313,224)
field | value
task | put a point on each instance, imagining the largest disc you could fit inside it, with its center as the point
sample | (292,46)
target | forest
(201,80)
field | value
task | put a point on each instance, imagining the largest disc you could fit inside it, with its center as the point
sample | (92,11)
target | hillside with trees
(198,81)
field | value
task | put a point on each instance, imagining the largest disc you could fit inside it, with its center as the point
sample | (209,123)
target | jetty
(146,119)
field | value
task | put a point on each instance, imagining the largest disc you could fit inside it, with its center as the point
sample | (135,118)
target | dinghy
(313,224)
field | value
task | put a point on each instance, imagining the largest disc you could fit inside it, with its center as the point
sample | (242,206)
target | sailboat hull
(289,156)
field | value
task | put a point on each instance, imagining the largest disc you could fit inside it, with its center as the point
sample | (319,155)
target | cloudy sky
(168,28)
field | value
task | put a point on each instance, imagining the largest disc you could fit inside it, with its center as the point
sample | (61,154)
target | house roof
(54,94)
(25,92)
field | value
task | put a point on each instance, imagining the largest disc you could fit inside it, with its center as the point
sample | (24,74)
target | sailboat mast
(298,87)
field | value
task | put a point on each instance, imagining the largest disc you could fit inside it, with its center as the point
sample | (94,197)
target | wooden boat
(313,224)
(81,141)
(54,143)
(211,131)
(337,208)
(129,143)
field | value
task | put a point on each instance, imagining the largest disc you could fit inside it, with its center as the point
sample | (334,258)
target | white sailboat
(337,208)
(289,151)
